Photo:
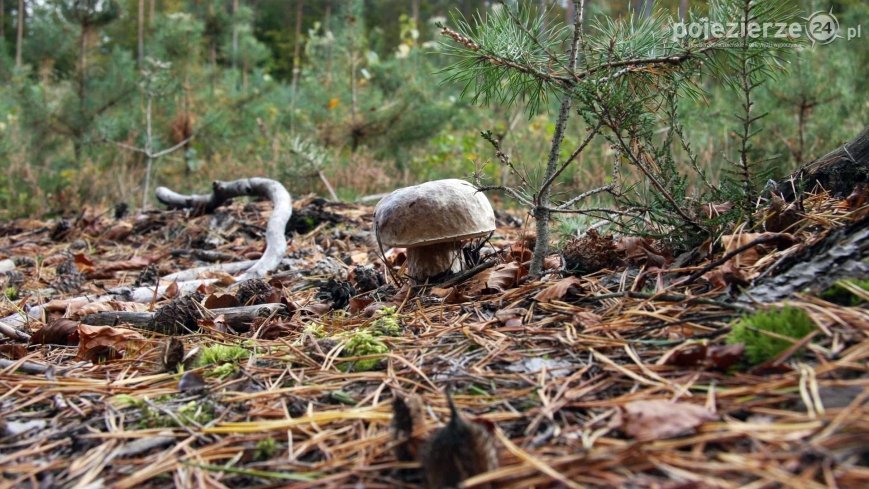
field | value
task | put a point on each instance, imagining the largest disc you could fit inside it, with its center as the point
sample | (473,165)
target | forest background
(101,101)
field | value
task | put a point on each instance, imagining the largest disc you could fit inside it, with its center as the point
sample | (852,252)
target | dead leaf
(858,197)
(359,302)
(722,357)
(83,263)
(689,355)
(586,319)
(171,291)
(512,316)
(222,278)
(108,306)
(134,263)
(105,342)
(220,301)
(659,419)
(750,256)
(494,280)
(559,290)
(60,332)
(118,231)
(13,351)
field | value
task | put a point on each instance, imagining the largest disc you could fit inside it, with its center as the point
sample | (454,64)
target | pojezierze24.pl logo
(819,28)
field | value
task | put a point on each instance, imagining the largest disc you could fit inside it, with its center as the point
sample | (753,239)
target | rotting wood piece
(276,241)
(838,171)
(235,317)
(842,254)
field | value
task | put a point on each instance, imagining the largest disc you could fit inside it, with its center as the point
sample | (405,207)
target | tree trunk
(2,20)
(141,33)
(234,33)
(297,60)
(683,10)
(153,10)
(414,12)
(19,39)
(541,210)
(327,21)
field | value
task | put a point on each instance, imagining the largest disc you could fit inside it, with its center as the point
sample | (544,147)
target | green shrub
(765,333)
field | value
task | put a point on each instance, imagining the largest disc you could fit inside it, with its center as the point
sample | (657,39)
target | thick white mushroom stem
(424,262)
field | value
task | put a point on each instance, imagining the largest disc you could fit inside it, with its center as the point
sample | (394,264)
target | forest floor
(618,378)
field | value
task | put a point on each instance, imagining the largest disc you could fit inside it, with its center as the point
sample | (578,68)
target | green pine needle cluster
(766,334)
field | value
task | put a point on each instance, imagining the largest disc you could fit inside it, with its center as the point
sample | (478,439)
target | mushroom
(431,220)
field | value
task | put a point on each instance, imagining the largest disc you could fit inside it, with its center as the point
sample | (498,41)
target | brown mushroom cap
(433,212)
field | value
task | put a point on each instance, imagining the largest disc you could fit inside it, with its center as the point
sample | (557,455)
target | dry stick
(461,277)
(727,256)
(276,241)
(234,316)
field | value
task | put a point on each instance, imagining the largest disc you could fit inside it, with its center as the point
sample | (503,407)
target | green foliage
(218,354)
(523,39)
(842,292)
(369,103)
(266,448)
(387,323)
(766,334)
(363,342)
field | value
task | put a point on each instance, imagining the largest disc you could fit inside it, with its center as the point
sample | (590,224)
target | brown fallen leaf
(750,256)
(13,351)
(722,357)
(99,342)
(494,280)
(559,290)
(359,302)
(659,419)
(60,332)
(118,231)
(219,301)
(134,263)
(83,263)
(512,316)
(108,306)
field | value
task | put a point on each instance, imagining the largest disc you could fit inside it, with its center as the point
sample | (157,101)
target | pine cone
(367,278)
(67,277)
(255,291)
(178,316)
(590,253)
(148,276)
(461,449)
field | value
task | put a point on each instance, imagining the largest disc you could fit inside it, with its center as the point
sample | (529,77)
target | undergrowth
(766,334)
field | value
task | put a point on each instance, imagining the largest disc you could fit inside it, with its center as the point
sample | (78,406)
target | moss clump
(265,449)
(218,354)
(11,293)
(765,333)
(224,370)
(363,343)
(387,323)
(316,330)
(838,293)
(196,412)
